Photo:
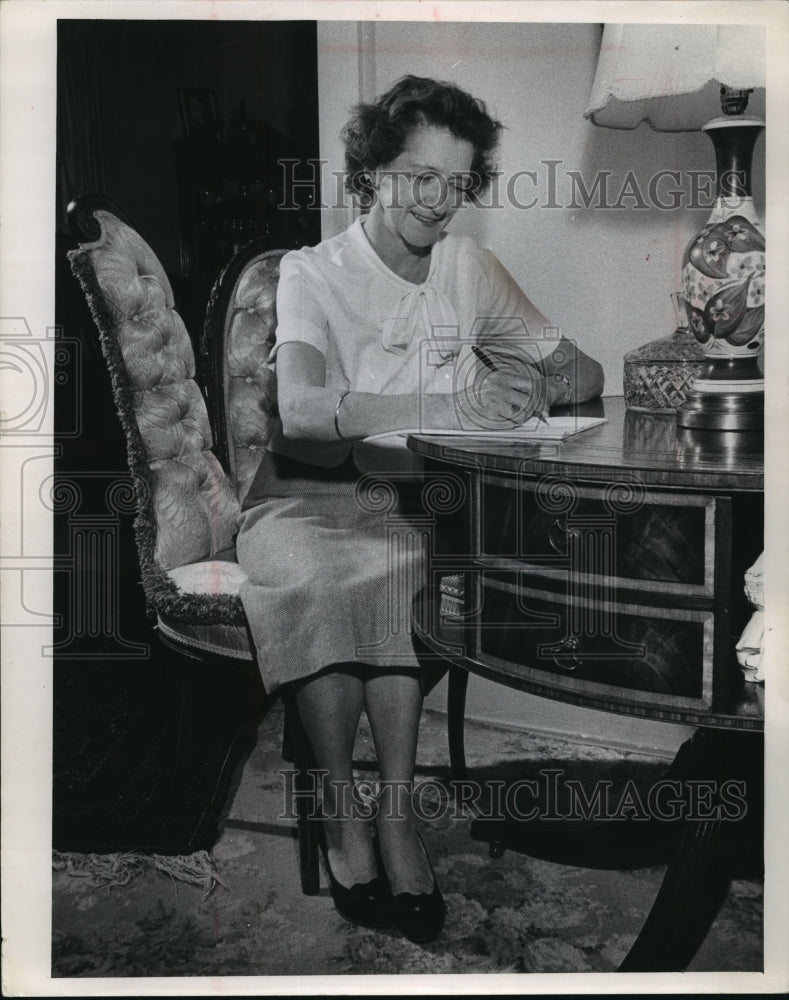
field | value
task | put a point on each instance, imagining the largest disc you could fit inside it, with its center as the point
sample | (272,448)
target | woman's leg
(329,707)
(393,702)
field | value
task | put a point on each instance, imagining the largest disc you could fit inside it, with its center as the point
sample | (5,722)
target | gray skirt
(334,563)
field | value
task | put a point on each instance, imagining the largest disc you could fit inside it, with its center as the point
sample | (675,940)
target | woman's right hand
(502,397)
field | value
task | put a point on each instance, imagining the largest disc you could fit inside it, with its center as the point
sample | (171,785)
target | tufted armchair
(190,471)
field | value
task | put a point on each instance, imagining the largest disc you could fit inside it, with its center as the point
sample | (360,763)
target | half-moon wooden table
(607,571)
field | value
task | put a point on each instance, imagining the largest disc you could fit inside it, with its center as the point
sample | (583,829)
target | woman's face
(422,188)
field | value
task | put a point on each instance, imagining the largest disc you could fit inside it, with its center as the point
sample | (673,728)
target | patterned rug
(512,914)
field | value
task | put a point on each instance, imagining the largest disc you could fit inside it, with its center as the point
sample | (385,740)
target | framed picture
(198,110)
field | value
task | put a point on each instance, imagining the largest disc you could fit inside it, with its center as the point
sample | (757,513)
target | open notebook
(534,429)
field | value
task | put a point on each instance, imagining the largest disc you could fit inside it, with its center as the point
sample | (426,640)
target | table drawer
(664,655)
(650,541)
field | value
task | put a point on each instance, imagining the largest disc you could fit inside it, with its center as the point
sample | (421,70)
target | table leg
(689,898)
(456,715)
(711,852)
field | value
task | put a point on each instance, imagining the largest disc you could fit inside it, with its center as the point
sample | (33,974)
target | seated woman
(354,314)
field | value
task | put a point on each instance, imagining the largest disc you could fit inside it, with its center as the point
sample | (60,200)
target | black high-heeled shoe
(420,916)
(368,904)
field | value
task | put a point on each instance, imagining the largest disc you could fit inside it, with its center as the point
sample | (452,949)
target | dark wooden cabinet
(608,571)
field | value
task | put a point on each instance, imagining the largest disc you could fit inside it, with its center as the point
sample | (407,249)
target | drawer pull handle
(559,536)
(564,656)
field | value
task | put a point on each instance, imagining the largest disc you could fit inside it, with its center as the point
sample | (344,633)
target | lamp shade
(670,75)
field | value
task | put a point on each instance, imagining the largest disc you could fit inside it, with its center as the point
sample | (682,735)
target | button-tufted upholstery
(188,504)
(239,335)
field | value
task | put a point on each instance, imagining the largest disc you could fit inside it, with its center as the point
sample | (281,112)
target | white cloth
(750,647)
(380,333)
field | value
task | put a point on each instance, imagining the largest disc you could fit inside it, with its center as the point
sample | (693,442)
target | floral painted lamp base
(723,286)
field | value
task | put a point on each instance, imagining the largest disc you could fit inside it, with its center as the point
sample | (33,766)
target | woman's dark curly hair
(377,133)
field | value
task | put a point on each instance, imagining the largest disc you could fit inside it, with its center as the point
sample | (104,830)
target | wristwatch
(560,378)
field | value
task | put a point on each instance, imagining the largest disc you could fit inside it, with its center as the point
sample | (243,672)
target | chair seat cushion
(211,576)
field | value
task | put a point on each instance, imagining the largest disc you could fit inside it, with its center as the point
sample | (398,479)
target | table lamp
(675,78)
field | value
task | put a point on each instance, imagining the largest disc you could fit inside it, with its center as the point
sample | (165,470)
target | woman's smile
(427,220)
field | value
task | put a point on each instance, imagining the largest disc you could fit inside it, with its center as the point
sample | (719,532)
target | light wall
(603,275)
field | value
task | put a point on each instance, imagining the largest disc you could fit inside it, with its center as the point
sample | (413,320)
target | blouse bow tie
(426,312)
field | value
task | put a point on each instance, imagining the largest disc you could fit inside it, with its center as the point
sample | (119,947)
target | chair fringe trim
(128,867)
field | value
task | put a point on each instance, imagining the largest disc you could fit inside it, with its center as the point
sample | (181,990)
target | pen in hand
(488,362)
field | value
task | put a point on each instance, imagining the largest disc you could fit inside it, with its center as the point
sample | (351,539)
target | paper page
(534,429)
